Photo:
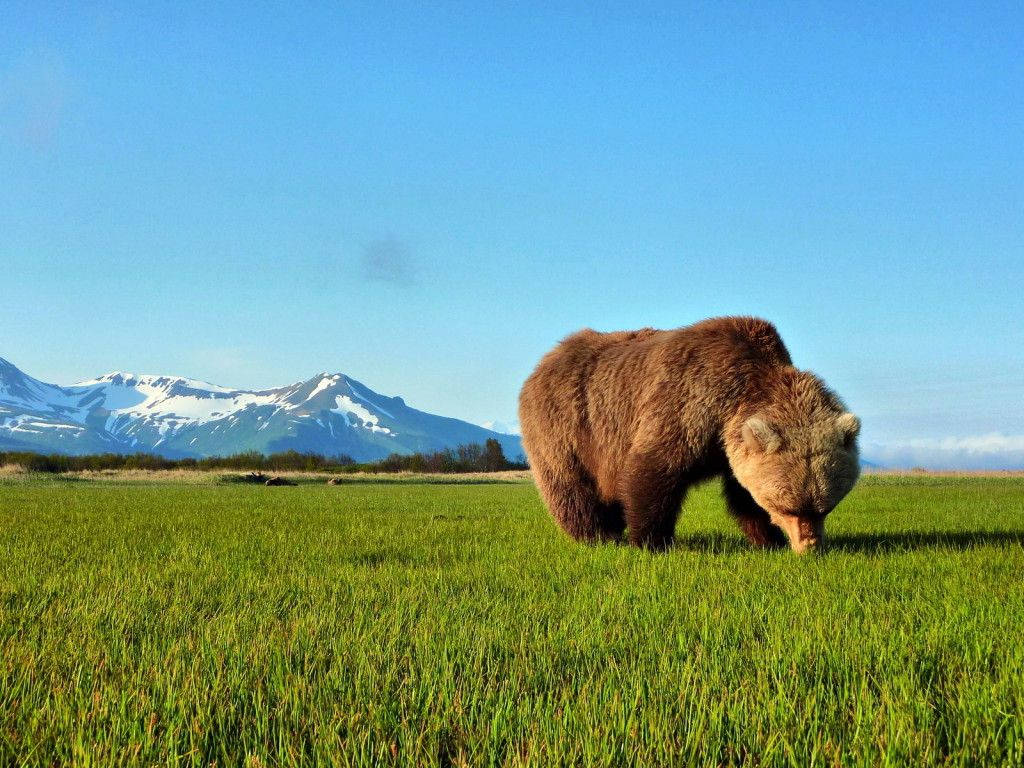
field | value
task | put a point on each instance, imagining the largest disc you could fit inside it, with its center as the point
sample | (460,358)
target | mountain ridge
(175,416)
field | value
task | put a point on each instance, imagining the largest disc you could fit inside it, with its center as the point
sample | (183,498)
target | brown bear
(616,427)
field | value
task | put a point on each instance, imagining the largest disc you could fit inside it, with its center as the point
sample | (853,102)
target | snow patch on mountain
(346,406)
(355,391)
(33,425)
(324,384)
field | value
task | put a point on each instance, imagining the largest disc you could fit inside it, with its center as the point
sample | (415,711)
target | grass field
(417,624)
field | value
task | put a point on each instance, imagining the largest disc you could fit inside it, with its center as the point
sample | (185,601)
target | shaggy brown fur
(617,426)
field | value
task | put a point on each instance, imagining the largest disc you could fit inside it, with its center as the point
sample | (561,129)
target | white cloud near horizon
(501,427)
(989,451)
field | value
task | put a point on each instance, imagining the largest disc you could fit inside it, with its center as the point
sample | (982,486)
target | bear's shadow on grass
(866,543)
(910,540)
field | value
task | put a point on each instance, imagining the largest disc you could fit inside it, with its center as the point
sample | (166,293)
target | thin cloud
(501,427)
(388,261)
(991,451)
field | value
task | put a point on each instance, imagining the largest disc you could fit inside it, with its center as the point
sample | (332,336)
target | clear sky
(427,196)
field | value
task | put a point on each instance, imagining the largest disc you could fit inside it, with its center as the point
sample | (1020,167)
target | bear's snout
(805,534)
(810,544)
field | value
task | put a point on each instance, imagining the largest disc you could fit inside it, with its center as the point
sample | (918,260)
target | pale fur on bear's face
(798,472)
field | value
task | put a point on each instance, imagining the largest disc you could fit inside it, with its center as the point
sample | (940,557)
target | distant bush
(56,462)
(466,458)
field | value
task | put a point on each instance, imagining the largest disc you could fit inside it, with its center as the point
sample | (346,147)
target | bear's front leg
(651,496)
(751,518)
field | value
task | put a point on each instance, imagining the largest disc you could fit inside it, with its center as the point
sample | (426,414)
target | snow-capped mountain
(328,414)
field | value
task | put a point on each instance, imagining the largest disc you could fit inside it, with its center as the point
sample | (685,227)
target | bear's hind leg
(572,500)
(752,519)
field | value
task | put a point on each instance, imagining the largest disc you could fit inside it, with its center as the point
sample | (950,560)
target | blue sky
(428,198)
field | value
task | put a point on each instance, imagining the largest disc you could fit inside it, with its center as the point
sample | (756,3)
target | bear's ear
(761,436)
(849,428)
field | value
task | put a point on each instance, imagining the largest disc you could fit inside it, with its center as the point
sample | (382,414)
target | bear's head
(795,451)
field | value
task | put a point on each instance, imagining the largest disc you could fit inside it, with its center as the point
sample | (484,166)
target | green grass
(440,625)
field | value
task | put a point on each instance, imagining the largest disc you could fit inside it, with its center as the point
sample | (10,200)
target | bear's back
(591,394)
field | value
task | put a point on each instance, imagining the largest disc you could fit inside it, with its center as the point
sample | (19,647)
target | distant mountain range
(176,417)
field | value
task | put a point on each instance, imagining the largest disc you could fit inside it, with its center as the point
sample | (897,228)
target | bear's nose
(804,546)
(811,531)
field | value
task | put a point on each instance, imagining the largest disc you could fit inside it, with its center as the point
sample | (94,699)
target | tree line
(465,458)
